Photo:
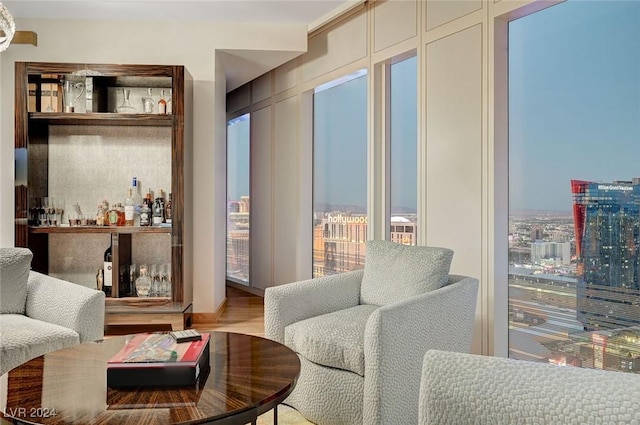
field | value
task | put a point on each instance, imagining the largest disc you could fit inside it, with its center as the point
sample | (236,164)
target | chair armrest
(398,335)
(66,304)
(292,302)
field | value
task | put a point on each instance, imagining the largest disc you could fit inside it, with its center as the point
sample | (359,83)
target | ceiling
(221,11)
(312,13)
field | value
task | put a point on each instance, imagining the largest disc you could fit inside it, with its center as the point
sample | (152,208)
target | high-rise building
(403,230)
(607,235)
(339,243)
(561,252)
(238,239)
(536,234)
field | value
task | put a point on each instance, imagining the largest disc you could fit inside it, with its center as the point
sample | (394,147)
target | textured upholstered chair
(39,313)
(461,388)
(361,336)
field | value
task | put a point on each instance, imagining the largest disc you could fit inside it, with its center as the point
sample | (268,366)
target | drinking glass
(165,286)
(168,276)
(155,281)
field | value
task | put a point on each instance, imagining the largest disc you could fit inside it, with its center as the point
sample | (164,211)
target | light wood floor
(244,314)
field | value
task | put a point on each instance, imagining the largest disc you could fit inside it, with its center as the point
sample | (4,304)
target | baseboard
(208,318)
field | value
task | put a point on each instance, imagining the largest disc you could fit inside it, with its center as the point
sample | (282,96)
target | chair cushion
(23,339)
(394,272)
(15,264)
(333,339)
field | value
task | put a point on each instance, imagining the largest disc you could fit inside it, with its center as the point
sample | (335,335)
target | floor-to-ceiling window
(574,187)
(403,162)
(238,201)
(340,175)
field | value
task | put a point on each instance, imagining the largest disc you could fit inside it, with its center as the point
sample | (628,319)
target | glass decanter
(125,107)
(143,282)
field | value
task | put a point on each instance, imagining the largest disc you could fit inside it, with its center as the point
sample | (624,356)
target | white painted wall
(192,44)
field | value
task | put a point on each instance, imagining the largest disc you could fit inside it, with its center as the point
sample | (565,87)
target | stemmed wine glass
(132,279)
(41,212)
(59,211)
(47,211)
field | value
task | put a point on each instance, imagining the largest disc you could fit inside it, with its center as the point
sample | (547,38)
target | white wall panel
(261,255)
(285,190)
(394,21)
(286,76)
(439,12)
(335,47)
(454,107)
(454,145)
(239,98)
(261,88)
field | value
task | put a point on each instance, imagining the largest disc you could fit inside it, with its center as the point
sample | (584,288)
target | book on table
(159,360)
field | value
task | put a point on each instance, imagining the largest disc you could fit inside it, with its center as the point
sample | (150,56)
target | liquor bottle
(129,210)
(158,209)
(162,103)
(112,216)
(137,197)
(107,278)
(149,198)
(100,216)
(168,211)
(99,279)
(120,212)
(147,102)
(145,214)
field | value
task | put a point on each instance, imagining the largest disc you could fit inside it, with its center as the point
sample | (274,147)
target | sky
(340,144)
(340,140)
(574,100)
(238,157)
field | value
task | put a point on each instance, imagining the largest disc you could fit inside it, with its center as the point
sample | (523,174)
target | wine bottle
(129,210)
(158,209)
(168,211)
(107,279)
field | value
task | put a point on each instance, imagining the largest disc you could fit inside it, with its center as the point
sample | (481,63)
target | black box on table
(158,360)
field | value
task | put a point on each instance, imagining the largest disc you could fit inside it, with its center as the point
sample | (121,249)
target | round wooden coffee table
(249,376)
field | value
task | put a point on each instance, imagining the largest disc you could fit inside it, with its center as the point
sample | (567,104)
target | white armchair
(39,313)
(361,336)
(462,388)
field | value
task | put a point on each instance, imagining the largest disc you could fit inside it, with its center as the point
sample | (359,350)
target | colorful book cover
(159,348)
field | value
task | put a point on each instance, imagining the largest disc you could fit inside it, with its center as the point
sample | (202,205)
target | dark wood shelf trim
(99,229)
(143,305)
(102,118)
(110,70)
